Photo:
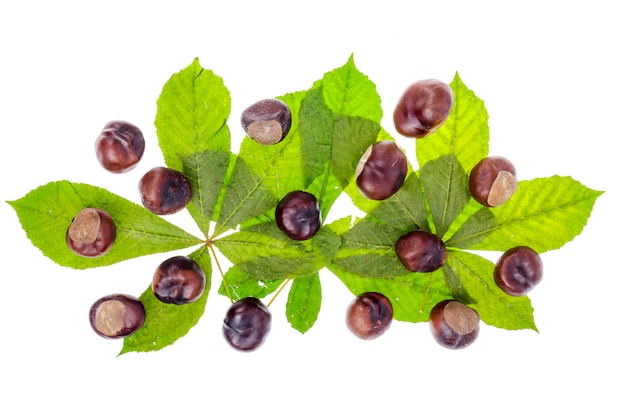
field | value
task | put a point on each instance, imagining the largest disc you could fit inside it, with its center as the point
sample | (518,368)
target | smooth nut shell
(369,315)
(381,171)
(453,324)
(178,280)
(92,233)
(267,121)
(493,181)
(120,146)
(117,316)
(423,107)
(518,270)
(421,251)
(164,190)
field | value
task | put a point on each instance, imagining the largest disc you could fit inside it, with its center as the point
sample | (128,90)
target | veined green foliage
(235,196)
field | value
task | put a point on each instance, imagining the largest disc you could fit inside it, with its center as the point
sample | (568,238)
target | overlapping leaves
(234,196)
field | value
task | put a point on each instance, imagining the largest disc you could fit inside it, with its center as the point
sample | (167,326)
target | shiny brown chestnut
(267,121)
(247,324)
(518,270)
(369,315)
(423,107)
(493,181)
(164,190)
(120,146)
(117,316)
(453,324)
(421,251)
(91,233)
(178,280)
(381,170)
(298,215)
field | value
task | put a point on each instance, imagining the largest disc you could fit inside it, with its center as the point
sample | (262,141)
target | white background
(551,75)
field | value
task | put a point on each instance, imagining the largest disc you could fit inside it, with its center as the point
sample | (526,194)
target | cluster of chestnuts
(380,173)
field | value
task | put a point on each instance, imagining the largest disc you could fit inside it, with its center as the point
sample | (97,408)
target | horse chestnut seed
(267,121)
(164,190)
(381,170)
(247,324)
(91,233)
(453,324)
(178,280)
(369,315)
(518,270)
(423,107)
(421,251)
(493,181)
(298,215)
(117,316)
(120,146)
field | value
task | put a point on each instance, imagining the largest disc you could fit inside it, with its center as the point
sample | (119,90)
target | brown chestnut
(381,170)
(421,251)
(493,181)
(178,280)
(369,315)
(423,107)
(518,270)
(117,316)
(298,215)
(453,324)
(164,190)
(120,146)
(267,121)
(91,233)
(247,324)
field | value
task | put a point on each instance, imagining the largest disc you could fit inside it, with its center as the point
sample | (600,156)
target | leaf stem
(219,267)
(280,288)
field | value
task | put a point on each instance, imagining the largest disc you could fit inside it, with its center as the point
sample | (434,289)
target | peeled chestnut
(117,316)
(247,324)
(267,121)
(91,233)
(178,280)
(164,190)
(421,251)
(493,181)
(120,146)
(453,324)
(369,315)
(518,270)
(423,107)
(298,215)
(381,170)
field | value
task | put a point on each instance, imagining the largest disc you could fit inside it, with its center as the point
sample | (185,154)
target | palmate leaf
(165,322)
(46,212)
(192,111)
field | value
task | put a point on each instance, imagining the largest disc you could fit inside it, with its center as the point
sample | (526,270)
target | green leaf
(368,249)
(473,228)
(46,212)
(347,91)
(446,189)
(192,111)
(304,302)
(165,322)
(240,285)
(544,213)
(412,295)
(465,134)
(495,307)
(263,252)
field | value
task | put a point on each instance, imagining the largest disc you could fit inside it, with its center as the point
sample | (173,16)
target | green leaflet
(465,134)
(240,285)
(165,323)
(263,252)
(46,212)
(544,213)
(412,295)
(494,306)
(304,302)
